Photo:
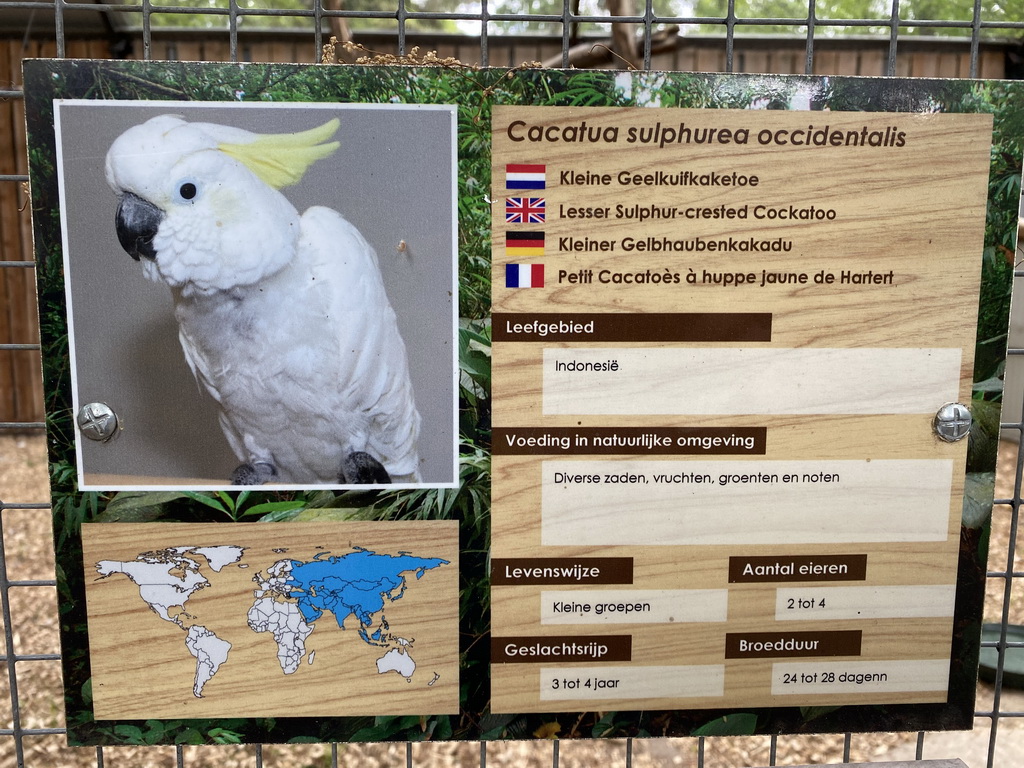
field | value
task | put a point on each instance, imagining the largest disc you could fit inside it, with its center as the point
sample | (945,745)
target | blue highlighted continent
(360,583)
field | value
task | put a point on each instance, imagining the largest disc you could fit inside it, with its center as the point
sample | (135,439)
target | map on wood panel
(241,603)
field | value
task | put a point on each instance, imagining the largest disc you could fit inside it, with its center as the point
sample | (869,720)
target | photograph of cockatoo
(282,316)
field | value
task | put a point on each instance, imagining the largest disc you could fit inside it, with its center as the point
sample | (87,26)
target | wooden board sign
(694,275)
(669,351)
(200,599)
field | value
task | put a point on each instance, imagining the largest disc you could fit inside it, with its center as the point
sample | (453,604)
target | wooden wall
(916,57)
(21,397)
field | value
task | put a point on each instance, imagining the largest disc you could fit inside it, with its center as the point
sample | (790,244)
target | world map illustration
(289,601)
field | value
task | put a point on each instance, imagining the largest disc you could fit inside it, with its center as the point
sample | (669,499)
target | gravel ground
(28,553)
(1000,542)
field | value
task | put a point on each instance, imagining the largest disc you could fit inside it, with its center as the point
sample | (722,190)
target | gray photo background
(391,177)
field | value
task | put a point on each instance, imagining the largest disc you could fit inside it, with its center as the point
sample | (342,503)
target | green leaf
(279,517)
(142,499)
(993,384)
(606,726)
(979,488)
(373,733)
(983,445)
(154,733)
(131,734)
(208,501)
(987,414)
(493,726)
(224,736)
(345,513)
(189,736)
(137,506)
(379,732)
(274,506)
(442,729)
(322,499)
(740,724)
(480,344)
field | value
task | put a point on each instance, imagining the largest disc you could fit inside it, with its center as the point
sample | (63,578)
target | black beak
(137,223)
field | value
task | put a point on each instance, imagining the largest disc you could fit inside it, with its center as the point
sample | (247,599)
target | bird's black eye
(187,190)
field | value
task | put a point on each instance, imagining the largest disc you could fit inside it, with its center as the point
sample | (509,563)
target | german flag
(524,243)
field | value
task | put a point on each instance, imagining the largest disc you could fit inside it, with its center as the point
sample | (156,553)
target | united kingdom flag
(524,210)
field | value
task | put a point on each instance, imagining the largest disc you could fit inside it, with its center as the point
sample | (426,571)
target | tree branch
(596,54)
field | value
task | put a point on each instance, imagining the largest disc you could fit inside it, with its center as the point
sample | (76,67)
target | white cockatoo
(283,317)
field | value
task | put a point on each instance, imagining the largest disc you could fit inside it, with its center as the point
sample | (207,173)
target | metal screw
(952,422)
(97,421)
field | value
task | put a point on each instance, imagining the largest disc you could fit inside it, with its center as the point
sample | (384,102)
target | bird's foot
(257,473)
(361,468)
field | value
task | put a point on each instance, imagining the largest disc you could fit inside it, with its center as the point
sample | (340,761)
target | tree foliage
(298,14)
(909,11)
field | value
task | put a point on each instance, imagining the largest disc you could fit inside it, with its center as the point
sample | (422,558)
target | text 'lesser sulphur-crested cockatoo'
(283,318)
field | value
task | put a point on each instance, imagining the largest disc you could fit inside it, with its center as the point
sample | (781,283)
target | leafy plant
(739,724)
(235,508)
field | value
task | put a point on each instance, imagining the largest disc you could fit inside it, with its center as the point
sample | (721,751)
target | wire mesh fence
(33,730)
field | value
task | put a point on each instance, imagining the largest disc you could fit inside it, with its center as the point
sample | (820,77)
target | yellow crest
(282,159)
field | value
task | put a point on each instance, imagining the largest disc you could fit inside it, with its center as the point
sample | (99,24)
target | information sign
(718,362)
(706,474)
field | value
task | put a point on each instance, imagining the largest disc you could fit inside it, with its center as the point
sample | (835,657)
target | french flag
(523,176)
(524,275)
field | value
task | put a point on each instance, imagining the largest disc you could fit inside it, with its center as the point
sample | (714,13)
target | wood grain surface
(142,669)
(895,267)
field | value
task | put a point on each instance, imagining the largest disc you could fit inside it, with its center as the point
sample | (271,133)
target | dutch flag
(524,275)
(521,176)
